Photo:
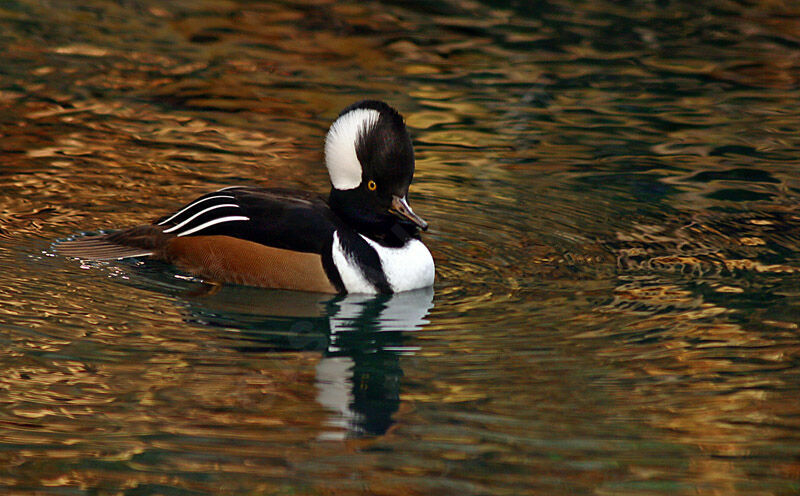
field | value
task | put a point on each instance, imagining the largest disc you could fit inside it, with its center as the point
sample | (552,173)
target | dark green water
(612,189)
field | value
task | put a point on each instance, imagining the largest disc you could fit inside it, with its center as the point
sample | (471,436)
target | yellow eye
(371,185)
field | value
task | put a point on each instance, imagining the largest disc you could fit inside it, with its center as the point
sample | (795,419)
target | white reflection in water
(341,386)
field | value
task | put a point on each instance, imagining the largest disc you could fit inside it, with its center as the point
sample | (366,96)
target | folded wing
(284,219)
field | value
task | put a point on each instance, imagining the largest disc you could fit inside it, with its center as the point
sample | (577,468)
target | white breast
(407,267)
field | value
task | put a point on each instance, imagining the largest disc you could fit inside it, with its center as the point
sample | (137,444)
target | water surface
(612,189)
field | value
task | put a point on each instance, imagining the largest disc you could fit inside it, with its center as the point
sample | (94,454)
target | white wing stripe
(191,205)
(198,214)
(210,223)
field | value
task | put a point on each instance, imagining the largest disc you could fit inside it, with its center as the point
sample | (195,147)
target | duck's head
(370,160)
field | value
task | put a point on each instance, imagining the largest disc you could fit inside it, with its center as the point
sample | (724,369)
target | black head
(370,160)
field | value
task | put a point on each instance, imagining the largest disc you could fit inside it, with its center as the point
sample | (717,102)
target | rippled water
(612,189)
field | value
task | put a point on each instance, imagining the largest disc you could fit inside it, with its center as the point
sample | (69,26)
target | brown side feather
(216,258)
(228,259)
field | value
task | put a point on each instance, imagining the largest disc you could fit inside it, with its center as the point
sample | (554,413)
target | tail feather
(139,241)
(99,248)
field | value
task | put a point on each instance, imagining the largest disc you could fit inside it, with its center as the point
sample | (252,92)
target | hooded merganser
(364,239)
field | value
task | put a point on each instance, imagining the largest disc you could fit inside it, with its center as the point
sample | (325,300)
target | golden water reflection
(612,195)
(284,370)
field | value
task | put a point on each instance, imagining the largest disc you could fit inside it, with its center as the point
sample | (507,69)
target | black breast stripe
(365,256)
(330,268)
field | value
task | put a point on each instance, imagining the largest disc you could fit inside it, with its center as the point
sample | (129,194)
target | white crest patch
(340,147)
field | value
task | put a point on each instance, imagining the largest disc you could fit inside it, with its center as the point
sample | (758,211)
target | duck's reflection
(360,337)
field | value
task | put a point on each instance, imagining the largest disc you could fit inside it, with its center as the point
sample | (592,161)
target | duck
(363,238)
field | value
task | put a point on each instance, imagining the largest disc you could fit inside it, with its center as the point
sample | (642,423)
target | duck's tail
(139,241)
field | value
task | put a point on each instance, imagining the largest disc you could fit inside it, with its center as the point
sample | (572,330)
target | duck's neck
(385,229)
